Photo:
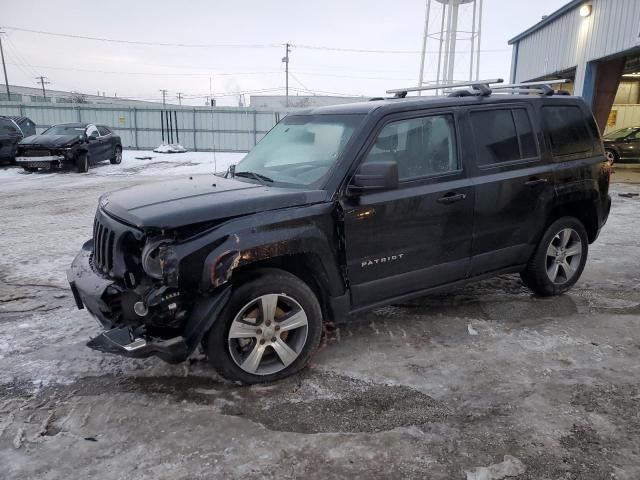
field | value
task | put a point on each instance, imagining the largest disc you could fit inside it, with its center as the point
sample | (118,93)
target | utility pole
(179,96)
(164,96)
(4,67)
(285,60)
(43,83)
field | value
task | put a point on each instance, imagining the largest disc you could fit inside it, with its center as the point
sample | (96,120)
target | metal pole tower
(460,33)
(43,83)
(164,96)
(285,60)
(4,68)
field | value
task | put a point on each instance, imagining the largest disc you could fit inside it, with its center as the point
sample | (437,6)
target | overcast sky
(141,71)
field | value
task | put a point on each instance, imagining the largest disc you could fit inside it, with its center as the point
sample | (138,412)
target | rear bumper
(603,216)
(89,291)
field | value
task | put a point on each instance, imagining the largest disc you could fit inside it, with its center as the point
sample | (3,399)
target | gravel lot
(426,389)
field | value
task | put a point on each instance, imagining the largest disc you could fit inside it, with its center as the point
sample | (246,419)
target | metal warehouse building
(596,45)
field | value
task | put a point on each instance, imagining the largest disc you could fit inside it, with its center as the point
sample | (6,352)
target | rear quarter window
(568,129)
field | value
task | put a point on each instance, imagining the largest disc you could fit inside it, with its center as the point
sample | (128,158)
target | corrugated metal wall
(625,116)
(572,41)
(199,128)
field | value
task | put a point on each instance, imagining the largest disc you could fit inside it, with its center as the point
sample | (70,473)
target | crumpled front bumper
(48,161)
(89,290)
(88,287)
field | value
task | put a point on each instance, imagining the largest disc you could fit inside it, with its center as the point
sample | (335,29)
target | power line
(231,45)
(367,50)
(149,44)
(180,74)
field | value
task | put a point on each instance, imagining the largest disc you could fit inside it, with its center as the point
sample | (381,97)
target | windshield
(300,149)
(618,134)
(64,130)
(7,126)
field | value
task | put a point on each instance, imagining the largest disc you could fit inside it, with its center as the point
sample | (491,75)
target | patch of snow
(170,148)
(510,467)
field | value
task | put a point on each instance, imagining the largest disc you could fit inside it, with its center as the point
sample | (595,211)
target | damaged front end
(129,280)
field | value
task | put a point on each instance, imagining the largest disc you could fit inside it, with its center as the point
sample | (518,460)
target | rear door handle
(452,197)
(534,182)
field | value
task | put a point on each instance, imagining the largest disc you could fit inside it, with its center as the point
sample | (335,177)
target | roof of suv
(391,105)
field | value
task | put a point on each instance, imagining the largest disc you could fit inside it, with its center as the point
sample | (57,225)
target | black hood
(50,141)
(198,199)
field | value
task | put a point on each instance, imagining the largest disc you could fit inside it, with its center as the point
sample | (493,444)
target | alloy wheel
(563,256)
(268,334)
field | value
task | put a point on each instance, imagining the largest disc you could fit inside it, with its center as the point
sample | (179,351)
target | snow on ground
(404,391)
(134,162)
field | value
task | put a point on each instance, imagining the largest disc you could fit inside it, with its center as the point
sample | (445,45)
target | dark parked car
(10,135)
(623,145)
(69,144)
(342,209)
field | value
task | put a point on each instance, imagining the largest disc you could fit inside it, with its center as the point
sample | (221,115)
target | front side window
(421,147)
(300,150)
(567,129)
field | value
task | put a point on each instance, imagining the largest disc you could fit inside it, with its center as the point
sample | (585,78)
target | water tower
(455,27)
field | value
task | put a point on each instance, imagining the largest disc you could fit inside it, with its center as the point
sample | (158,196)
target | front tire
(559,258)
(117,156)
(267,330)
(82,162)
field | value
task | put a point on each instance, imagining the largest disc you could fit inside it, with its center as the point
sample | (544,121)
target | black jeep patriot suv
(342,209)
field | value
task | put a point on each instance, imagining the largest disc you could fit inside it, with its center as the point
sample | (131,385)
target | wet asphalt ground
(423,389)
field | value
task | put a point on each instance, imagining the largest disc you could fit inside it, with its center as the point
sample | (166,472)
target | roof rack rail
(541,87)
(481,85)
(531,84)
(485,88)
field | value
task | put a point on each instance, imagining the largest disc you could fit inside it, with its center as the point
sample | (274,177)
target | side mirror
(375,176)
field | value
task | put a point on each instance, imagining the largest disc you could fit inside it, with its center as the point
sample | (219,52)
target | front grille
(36,164)
(103,246)
(36,153)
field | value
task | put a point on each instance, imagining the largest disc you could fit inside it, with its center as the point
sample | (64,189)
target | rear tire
(82,162)
(267,331)
(559,258)
(117,156)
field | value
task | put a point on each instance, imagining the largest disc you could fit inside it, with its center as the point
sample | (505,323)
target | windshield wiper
(257,176)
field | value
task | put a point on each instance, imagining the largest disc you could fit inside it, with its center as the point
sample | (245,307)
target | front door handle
(534,182)
(452,197)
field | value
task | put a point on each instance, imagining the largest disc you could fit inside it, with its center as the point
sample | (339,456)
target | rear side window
(503,135)
(525,131)
(567,129)
(103,131)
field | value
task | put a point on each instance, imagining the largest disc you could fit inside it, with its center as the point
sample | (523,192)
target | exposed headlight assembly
(159,259)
